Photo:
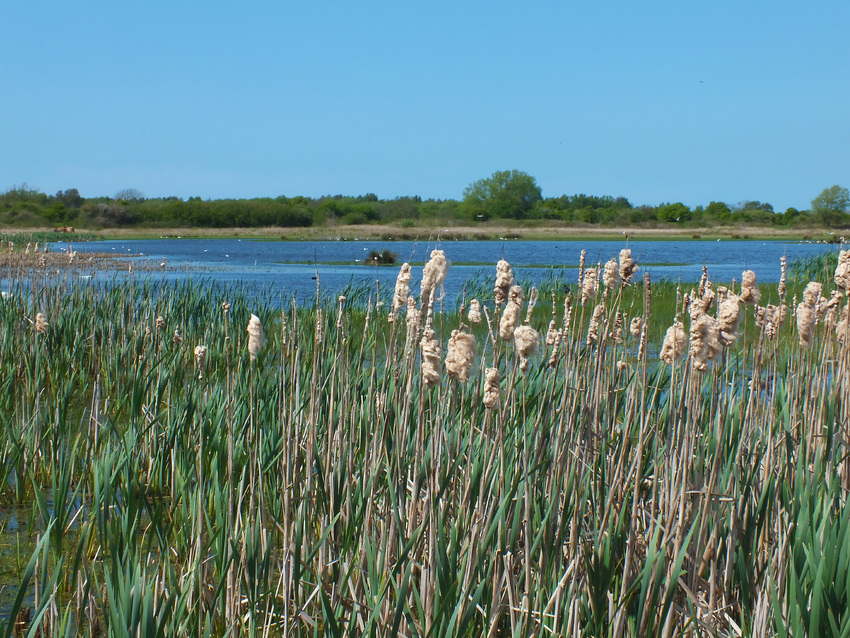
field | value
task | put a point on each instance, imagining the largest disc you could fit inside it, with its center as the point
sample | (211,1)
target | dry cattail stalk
(527,341)
(532,301)
(593,328)
(412,323)
(675,344)
(510,316)
(40,324)
(729,317)
(704,343)
(320,326)
(341,301)
(749,292)
(827,311)
(611,274)
(492,391)
(504,281)
(581,267)
(556,344)
(461,355)
(431,353)
(842,271)
(255,337)
(703,280)
(805,324)
(200,360)
(402,289)
(842,328)
(783,264)
(635,326)
(628,266)
(160,323)
(474,315)
(589,285)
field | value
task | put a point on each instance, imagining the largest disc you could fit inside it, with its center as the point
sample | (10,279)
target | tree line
(505,195)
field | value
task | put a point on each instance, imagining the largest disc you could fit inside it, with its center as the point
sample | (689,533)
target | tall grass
(324,489)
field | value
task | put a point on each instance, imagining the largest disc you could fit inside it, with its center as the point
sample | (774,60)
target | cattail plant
(504,281)
(256,337)
(492,391)
(589,285)
(460,355)
(675,345)
(611,274)
(750,294)
(200,360)
(511,314)
(431,368)
(628,266)
(40,324)
(474,315)
(842,271)
(402,289)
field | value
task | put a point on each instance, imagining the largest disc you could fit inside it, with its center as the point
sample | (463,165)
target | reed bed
(199,462)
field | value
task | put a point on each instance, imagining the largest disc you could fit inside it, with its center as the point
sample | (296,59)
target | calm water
(291,266)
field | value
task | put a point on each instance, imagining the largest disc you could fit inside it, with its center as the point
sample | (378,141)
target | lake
(291,266)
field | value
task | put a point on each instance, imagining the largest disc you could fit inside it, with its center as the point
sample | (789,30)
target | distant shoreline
(484,232)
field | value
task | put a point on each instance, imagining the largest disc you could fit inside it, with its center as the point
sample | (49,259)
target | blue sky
(654,101)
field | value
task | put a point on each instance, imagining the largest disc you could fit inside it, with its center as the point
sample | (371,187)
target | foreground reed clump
(319,475)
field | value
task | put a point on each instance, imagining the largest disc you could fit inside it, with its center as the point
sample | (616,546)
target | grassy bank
(529,231)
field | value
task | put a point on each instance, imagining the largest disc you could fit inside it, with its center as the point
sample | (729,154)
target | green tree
(504,194)
(677,212)
(831,205)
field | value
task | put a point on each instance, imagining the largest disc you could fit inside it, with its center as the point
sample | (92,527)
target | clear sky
(655,101)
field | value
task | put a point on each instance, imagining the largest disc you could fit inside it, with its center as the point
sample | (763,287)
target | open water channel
(291,266)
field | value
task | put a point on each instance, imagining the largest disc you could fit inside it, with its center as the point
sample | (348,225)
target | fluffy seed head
(589,285)
(842,271)
(805,324)
(812,293)
(628,266)
(749,292)
(492,391)
(40,324)
(729,317)
(527,341)
(704,344)
(611,274)
(402,288)
(256,337)
(504,281)
(474,315)
(200,360)
(461,355)
(431,354)
(510,316)
(675,344)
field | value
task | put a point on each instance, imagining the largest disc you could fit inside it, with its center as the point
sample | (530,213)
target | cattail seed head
(200,360)
(675,344)
(510,316)
(593,328)
(431,354)
(256,337)
(628,266)
(611,274)
(842,271)
(474,311)
(589,285)
(461,355)
(749,292)
(492,390)
(812,293)
(704,343)
(402,288)
(729,317)
(504,281)
(160,323)
(40,324)
(783,264)
(527,341)
(805,324)
(635,326)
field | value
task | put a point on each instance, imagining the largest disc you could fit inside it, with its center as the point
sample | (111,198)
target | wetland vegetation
(195,461)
